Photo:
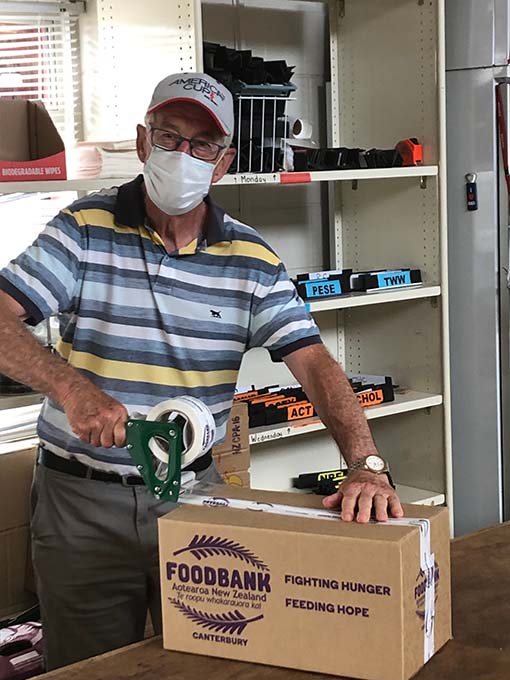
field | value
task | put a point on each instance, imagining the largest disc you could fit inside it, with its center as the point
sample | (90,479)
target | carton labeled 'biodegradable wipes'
(272,578)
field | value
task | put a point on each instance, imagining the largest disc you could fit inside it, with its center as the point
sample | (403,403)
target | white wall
(23,216)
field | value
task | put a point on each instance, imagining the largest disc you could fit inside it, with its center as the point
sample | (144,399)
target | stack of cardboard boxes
(16,471)
(232,457)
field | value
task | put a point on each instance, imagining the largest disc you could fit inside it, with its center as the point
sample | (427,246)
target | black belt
(73,467)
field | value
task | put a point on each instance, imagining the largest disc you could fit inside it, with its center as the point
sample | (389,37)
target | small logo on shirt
(214,314)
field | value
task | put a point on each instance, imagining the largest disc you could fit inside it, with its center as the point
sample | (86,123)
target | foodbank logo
(423,581)
(238,587)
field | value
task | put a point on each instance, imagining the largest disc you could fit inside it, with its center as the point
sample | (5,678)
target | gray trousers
(95,554)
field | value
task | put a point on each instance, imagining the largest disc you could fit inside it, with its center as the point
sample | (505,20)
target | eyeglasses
(199,148)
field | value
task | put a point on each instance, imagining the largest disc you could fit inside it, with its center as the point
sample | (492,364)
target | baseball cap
(201,89)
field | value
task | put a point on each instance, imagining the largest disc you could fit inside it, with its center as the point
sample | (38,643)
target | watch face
(375,463)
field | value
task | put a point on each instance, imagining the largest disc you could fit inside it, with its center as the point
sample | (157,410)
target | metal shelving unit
(404,403)
(398,222)
(283,178)
(410,494)
(396,219)
(352,300)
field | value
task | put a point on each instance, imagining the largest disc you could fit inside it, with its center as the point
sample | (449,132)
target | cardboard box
(14,557)
(240,479)
(16,470)
(30,145)
(312,594)
(238,436)
(232,462)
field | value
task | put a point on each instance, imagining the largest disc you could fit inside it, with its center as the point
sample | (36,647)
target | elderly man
(163,293)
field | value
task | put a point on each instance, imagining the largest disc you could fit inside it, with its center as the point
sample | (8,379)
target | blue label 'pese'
(323,288)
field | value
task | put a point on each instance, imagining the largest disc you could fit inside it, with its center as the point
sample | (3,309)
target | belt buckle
(124,480)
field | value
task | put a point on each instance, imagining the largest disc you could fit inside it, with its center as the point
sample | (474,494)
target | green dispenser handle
(138,435)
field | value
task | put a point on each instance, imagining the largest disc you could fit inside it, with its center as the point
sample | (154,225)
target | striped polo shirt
(146,325)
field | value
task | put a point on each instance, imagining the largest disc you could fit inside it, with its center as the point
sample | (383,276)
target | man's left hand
(367,492)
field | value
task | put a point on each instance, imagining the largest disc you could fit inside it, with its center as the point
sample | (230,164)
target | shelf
(18,421)
(98,183)
(19,400)
(364,299)
(329,175)
(404,403)
(51,186)
(407,494)
(410,494)
(20,445)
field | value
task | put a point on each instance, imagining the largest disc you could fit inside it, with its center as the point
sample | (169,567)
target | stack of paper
(104,159)
(18,423)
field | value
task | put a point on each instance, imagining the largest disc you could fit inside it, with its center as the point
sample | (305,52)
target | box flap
(44,139)
(237,437)
(270,521)
(232,462)
(14,139)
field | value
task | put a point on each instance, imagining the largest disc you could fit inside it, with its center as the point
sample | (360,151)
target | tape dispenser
(171,436)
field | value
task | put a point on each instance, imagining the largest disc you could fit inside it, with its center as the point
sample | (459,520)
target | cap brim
(193,101)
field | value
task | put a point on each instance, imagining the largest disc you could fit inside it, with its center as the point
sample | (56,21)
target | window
(39,59)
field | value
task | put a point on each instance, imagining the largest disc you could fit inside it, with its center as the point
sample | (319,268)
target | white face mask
(175,181)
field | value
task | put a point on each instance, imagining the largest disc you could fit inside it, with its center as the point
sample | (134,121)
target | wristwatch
(373,463)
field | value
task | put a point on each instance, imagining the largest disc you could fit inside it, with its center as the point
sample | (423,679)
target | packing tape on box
(302,129)
(199,429)
(427,566)
(427,561)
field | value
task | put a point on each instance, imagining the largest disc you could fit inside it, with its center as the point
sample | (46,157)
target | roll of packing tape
(199,427)
(302,129)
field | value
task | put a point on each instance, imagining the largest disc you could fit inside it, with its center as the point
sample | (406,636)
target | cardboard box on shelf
(306,593)
(232,462)
(30,145)
(237,438)
(16,471)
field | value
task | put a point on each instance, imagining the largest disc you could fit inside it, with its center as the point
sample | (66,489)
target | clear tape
(199,427)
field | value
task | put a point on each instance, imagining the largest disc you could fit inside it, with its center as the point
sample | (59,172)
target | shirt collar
(130,211)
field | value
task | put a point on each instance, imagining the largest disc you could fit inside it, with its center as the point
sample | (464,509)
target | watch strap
(360,464)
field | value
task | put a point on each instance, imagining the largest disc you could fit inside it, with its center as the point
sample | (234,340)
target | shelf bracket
(354,185)
(423,182)
(341,8)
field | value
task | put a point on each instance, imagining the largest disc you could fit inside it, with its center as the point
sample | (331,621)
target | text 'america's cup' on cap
(201,89)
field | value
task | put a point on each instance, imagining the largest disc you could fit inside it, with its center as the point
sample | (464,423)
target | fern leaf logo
(203,546)
(232,622)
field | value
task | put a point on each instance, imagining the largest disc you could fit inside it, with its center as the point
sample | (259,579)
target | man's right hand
(95,417)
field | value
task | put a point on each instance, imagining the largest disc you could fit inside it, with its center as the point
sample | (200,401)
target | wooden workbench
(481,627)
